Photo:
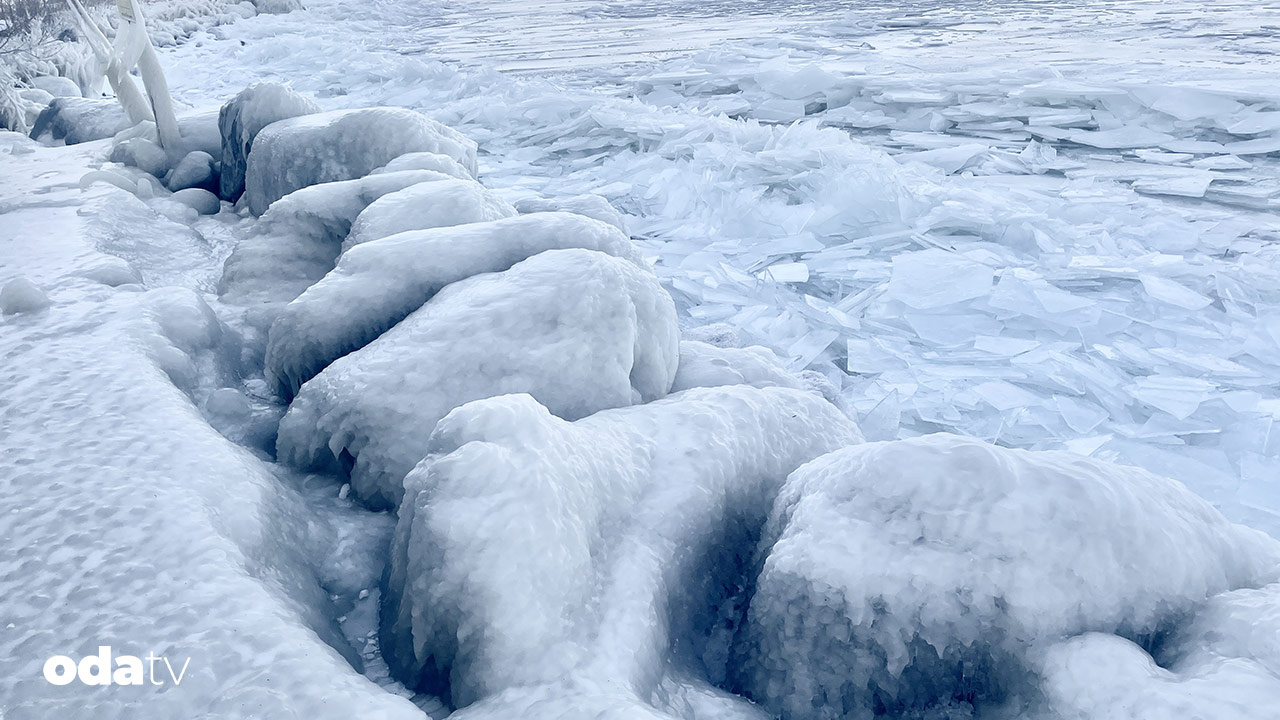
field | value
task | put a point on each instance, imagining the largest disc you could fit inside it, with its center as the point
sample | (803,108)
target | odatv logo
(97,670)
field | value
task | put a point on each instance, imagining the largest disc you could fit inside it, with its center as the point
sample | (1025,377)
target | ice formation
(375,285)
(428,205)
(20,295)
(593,206)
(1103,676)
(298,240)
(195,170)
(243,117)
(427,161)
(924,571)
(578,329)
(594,556)
(342,145)
(706,365)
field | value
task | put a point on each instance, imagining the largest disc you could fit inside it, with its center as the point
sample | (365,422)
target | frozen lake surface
(1050,225)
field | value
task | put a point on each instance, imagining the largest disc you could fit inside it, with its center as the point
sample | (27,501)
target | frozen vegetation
(498,360)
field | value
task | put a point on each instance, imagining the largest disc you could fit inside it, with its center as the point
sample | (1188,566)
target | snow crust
(377,284)
(342,145)
(927,571)
(578,329)
(427,205)
(582,556)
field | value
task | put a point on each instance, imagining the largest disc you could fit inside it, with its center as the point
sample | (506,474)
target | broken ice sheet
(793,272)
(1177,395)
(936,278)
(1173,293)
(1005,396)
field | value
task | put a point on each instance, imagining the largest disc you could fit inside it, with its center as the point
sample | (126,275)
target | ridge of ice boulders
(530,549)
(578,329)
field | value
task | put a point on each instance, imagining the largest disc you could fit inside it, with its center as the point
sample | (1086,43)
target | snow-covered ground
(1045,225)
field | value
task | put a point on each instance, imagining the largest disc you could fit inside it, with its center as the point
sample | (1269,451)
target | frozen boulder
(342,145)
(77,120)
(593,206)
(375,285)
(143,154)
(199,199)
(428,205)
(20,295)
(196,170)
(57,86)
(706,365)
(581,562)
(579,330)
(925,572)
(427,161)
(36,95)
(298,241)
(243,117)
(1103,676)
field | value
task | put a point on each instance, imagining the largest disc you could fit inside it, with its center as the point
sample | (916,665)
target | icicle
(127,93)
(133,44)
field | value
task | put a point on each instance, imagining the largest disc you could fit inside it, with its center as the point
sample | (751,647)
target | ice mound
(530,550)
(342,145)
(578,329)
(428,205)
(907,573)
(298,240)
(593,206)
(706,365)
(243,117)
(375,285)
(20,295)
(427,161)
(1104,676)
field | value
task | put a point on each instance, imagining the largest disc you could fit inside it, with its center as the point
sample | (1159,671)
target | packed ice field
(651,360)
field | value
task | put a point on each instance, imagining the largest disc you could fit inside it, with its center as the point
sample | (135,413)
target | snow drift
(342,145)
(592,556)
(578,329)
(375,285)
(922,571)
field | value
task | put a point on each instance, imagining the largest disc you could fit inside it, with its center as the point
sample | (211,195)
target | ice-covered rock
(20,295)
(57,86)
(593,556)
(578,329)
(427,161)
(196,170)
(1103,676)
(199,199)
(377,284)
(143,154)
(78,120)
(593,206)
(299,239)
(706,365)
(243,117)
(907,573)
(428,205)
(342,145)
